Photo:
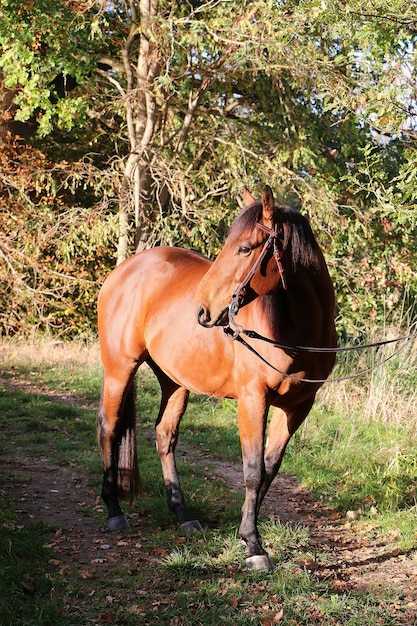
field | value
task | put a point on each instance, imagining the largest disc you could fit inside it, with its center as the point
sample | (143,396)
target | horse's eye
(245,250)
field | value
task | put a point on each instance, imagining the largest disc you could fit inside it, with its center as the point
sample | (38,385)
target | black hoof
(192,526)
(119,522)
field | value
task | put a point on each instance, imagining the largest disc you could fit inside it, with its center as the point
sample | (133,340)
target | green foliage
(374,252)
(56,253)
(39,42)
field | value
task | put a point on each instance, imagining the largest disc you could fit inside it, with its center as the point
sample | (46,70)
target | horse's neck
(305,310)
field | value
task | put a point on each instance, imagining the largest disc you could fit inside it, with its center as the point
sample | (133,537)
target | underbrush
(386,388)
(357,447)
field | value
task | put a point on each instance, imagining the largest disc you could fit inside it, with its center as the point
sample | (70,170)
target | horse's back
(148,275)
(162,262)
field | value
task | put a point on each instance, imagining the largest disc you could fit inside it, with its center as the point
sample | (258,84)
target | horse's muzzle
(204,318)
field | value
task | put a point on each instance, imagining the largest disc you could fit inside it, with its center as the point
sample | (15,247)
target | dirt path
(356,559)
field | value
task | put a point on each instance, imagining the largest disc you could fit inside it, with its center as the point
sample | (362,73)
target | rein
(236,335)
(235,331)
(252,334)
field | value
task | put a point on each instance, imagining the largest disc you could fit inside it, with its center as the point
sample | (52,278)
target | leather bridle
(275,240)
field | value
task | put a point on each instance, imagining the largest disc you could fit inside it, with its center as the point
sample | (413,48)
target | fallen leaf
(106,617)
(27,587)
(136,609)
(132,572)
(88,575)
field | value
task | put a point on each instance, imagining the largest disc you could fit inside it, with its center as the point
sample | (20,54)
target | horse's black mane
(299,239)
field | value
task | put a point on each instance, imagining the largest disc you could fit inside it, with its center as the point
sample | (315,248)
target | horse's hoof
(192,526)
(119,522)
(260,562)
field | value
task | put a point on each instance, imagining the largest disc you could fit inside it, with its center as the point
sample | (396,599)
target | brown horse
(170,308)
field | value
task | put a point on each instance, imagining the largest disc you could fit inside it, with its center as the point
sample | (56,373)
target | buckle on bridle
(233,330)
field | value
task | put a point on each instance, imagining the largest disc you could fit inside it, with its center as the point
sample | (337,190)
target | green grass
(354,463)
(28,594)
(161,575)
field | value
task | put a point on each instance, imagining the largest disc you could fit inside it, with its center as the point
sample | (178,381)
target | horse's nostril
(203,316)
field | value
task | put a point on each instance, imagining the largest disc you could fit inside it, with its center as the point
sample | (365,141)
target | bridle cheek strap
(275,236)
(239,294)
(278,257)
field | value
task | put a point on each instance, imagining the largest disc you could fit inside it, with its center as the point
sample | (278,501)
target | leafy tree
(55,202)
(179,104)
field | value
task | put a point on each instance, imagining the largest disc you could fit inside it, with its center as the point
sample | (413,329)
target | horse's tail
(123,467)
(128,479)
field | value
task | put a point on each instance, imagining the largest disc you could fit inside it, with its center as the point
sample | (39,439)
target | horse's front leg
(276,443)
(252,413)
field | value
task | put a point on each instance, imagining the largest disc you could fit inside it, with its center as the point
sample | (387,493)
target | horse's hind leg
(117,439)
(173,404)
(281,428)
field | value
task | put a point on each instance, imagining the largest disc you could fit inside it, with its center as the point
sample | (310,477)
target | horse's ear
(247,197)
(268,205)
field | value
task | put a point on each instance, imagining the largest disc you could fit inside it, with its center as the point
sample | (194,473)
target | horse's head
(246,267)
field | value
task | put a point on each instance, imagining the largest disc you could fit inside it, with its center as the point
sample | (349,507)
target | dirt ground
(355,559)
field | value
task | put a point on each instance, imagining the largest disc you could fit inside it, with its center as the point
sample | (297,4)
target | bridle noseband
(275,239)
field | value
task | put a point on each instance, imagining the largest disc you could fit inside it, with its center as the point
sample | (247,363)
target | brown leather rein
(235,331)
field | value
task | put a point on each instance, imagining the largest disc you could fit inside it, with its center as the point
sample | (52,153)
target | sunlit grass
(387,389)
